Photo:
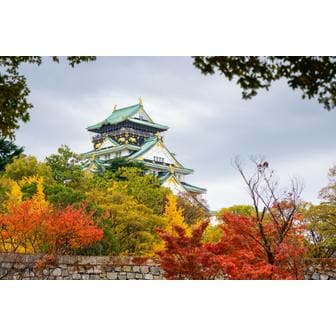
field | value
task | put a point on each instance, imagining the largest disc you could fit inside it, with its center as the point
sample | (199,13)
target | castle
(131,133)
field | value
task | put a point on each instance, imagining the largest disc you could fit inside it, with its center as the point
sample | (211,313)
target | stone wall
(36,267)
(320,269)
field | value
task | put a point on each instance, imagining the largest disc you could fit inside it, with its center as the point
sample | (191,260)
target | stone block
(149,277)
(158,277)
(94,277)
(139,276)
(6,265)
(155,270)
(19,266)
(130,276)
(65,272)
(112,275)
(57,272)
(315,276)
(136,268)
(85,277)
(76,276)
(144,269)
(324,277)
(127,268)
(118,268)
(122,276)
(45,272)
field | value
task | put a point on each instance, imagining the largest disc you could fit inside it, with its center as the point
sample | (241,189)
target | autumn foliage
(240,254)
(186,257)
(28,227)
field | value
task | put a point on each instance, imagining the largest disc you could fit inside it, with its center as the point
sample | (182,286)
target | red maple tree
(30,228)
(268,245)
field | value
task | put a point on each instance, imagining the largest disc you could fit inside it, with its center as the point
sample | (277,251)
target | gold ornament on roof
(140,101)
(171,169)
(114,107)
(159,136)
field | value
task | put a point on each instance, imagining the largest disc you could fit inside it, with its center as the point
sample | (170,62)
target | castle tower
(130,133)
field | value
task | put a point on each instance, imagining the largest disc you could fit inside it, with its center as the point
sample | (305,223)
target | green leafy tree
(114,166)
(65,166)
(62,195)
(314,76)
(14,91)
(146,189)
(244,210)
(26,166)
(321,230)
(8,152)
(321,221)
(130,227)
(328,193)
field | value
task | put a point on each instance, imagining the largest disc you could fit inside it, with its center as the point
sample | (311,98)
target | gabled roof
(193,188)
(146,146)
(186,186)
(111,150)
(107,142)
(128,113)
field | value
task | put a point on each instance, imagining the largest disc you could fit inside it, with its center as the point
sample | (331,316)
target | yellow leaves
(174,216)
(15,195)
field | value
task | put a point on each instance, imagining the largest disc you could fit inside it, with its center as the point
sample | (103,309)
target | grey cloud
(209,122)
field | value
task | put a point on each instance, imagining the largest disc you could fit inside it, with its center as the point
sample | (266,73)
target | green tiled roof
(147,145)
(111,149)
(126,113)
(193,188)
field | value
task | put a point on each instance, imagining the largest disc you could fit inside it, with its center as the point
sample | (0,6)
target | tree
(314,76)
(321,221)
(321,230)
(193,211)
(145,188)
(65,166)
(26,166)
(129,226)
(328,193)
(114,165)
(30,227)
(271,205)
(69,229)
(246,210)
(8,152)
(14,91)
(266,245)
(174,216)
(186,257)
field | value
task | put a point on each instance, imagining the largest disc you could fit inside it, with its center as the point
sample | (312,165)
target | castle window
(158,159)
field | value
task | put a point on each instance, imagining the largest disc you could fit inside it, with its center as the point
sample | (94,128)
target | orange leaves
(240,254)
(70,229)
(28,227)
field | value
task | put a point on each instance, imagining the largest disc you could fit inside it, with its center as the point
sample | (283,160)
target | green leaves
(8,151)
(315,76)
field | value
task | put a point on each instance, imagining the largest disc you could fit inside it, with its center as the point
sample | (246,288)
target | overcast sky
(209,122)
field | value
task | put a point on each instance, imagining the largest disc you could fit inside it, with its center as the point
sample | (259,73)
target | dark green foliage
(315,76)
(61,196)
(14,91)
(65,166)
(29,190)
(109,245)
(8,152)
(115,164)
